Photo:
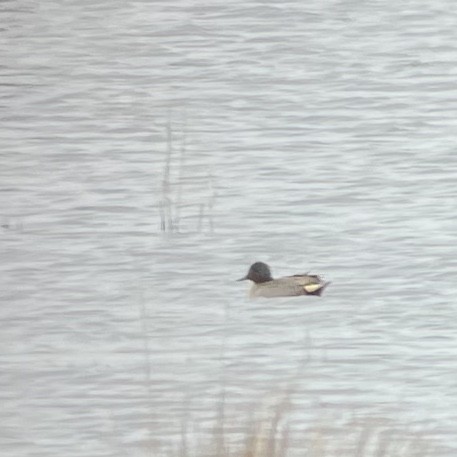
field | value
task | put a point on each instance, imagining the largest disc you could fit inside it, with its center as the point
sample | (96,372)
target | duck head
(258,272)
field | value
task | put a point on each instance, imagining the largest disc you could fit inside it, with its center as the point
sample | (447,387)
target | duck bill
(243,278)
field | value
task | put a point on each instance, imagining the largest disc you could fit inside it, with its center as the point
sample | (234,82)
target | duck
(289,286)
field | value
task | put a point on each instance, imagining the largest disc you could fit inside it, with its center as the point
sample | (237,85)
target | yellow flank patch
(312,287)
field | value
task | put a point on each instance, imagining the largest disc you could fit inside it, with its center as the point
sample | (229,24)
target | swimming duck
(265,286)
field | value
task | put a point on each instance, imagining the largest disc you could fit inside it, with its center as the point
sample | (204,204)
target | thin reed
(176,191)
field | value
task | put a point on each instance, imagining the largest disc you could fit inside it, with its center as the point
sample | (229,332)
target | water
(317,136)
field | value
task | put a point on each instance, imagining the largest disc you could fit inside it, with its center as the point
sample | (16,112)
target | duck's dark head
(258,273)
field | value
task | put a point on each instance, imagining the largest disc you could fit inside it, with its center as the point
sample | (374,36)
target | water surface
(315,137)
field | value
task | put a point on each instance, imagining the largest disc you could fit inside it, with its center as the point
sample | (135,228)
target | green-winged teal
(265,286)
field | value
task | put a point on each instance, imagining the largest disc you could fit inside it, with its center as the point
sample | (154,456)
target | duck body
(289,286)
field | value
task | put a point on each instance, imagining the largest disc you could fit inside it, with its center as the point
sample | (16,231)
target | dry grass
(274,436)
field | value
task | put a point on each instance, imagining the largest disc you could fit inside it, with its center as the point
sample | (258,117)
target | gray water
(315,136)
